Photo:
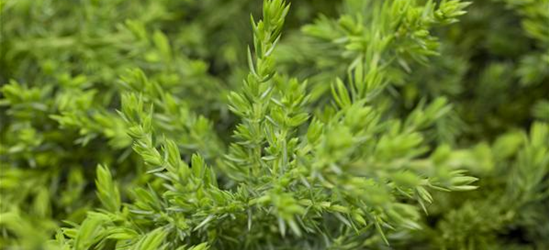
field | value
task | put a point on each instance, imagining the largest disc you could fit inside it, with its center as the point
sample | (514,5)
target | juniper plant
(349,165)
(399,124)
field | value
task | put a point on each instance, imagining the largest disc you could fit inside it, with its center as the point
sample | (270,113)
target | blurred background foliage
(64,64)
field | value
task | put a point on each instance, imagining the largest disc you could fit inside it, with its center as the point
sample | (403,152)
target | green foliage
(397,124)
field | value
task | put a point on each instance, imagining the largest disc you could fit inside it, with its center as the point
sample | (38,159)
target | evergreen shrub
(349,124)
